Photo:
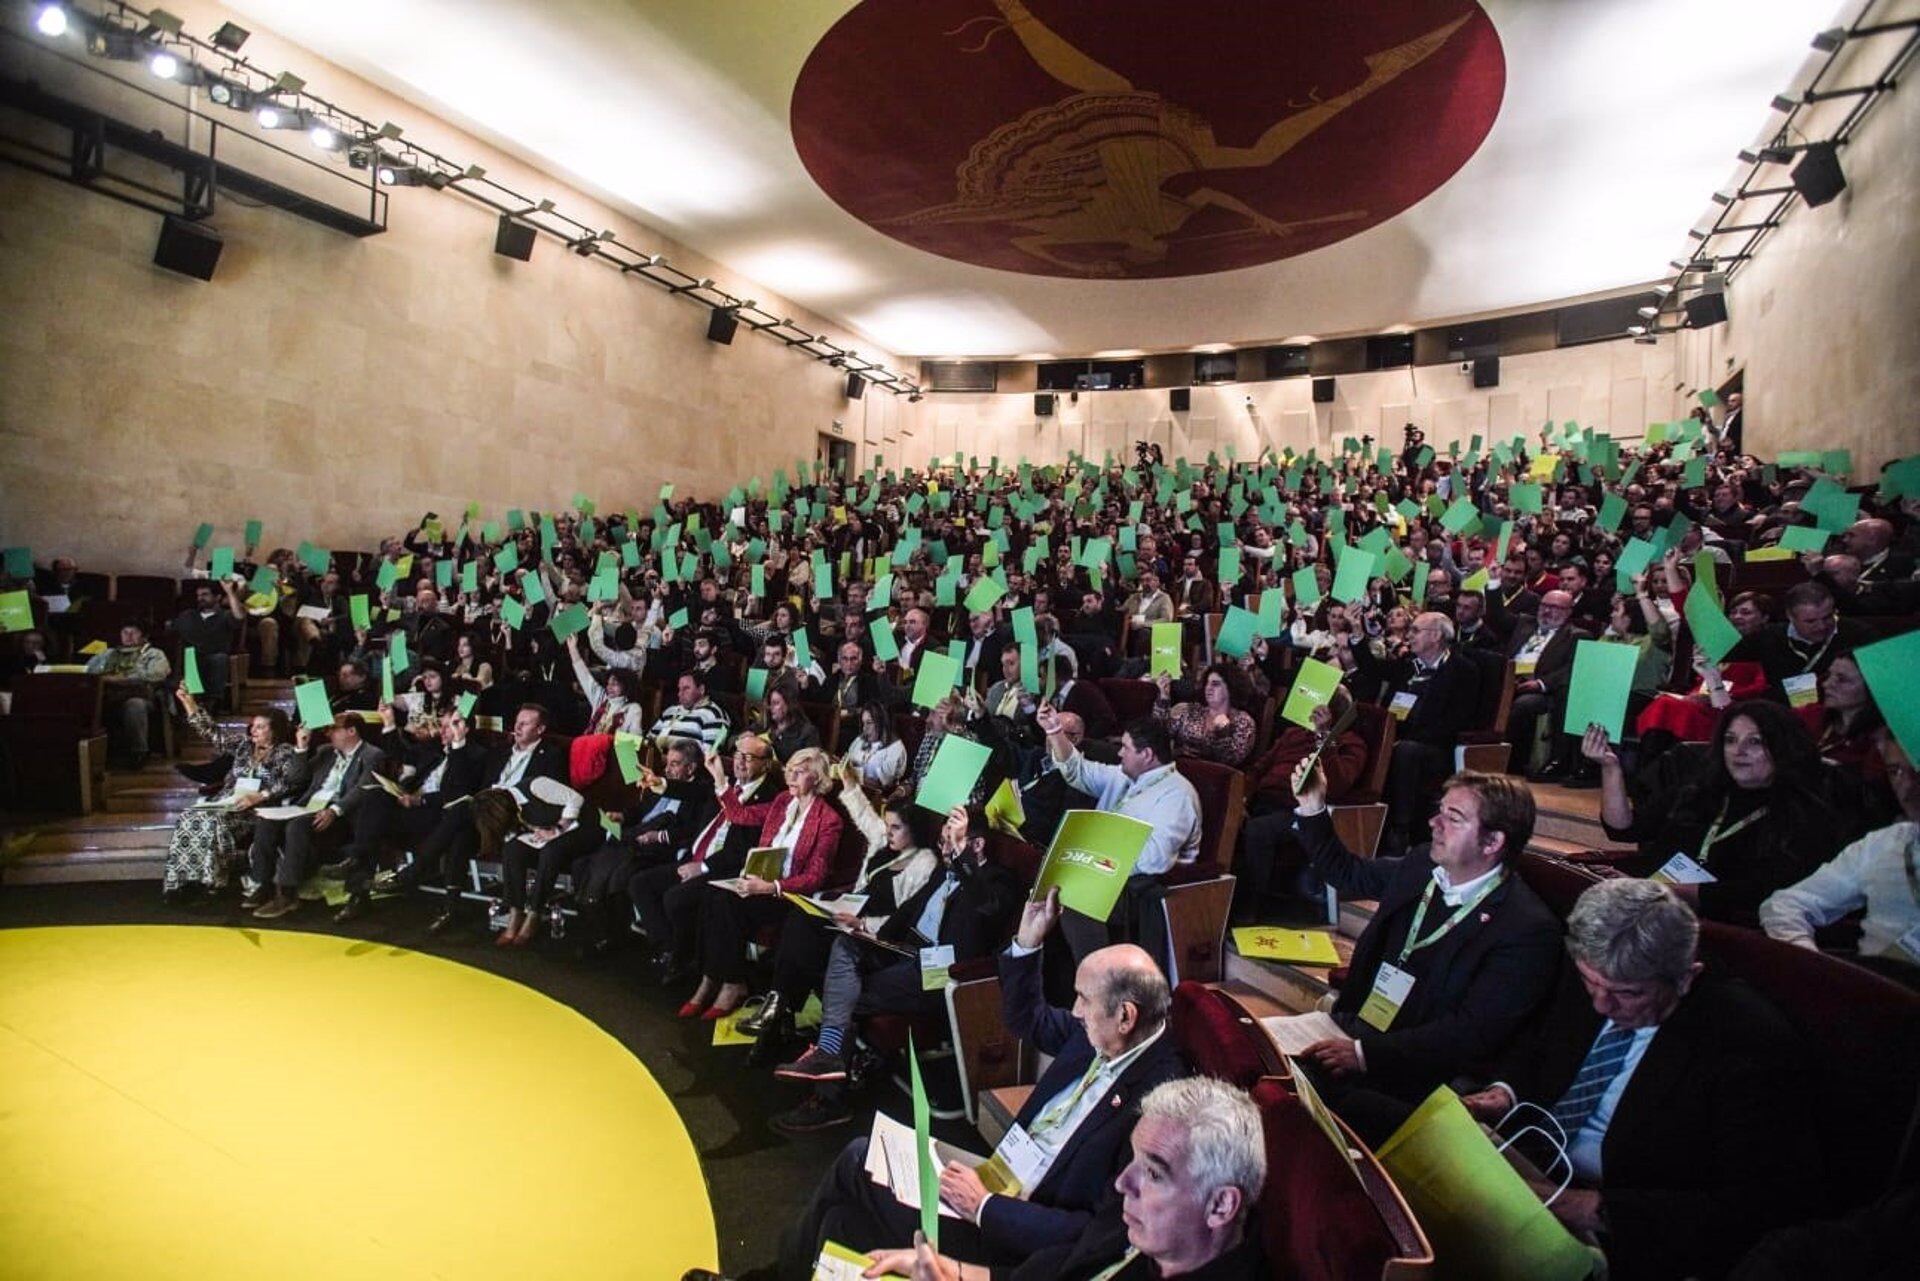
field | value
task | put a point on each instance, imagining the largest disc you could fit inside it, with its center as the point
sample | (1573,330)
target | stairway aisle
(126,838)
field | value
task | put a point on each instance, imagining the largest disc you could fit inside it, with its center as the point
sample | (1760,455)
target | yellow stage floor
(200,1102)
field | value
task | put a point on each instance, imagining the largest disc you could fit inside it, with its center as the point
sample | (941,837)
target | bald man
(1542,652)
(1871,541)
(1069,1141)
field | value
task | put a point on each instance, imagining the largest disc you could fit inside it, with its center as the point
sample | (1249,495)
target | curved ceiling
(1002,178)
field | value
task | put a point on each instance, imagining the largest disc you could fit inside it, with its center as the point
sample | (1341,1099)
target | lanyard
(1715,834)
(1913,877)
(1062,1110)
(1414,942)
(1807,661)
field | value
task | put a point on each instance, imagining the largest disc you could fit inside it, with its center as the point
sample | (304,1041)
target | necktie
(1603,1063)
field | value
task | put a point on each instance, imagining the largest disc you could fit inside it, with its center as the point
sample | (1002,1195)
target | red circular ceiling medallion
(1134,139)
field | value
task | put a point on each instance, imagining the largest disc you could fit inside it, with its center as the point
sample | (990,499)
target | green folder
(568,621)
(16,611)
(1229,566)
(1525,498)
(938,674)
(310,697)
(885,648)
(1892,671)
(1602,680)
(1090,859)
(1237,631)
(956,767)
(1313,686)
(397,658)
(190,671)
(1798,538)
(1166,650)
(1356,570)
(1459,515)
(463,705)
(1613,509)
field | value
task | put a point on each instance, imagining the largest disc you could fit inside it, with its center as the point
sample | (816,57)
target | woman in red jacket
(803,824)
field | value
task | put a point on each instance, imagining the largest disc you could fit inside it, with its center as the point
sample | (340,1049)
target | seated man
(1270,860)
(133,669)
(1458,954)
(282,854)
(666,817)
(966,905)
(1108,1053)
(692,715)
(1434,699)
(1184,1202)
(1669,1087)
(212,627)
(1048,796)
(1795,654)
(1542,648)
(1147,786)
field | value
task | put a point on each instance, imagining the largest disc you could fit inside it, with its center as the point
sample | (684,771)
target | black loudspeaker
(1043,405)
(1706,309)
(1180,400)
(1323,391)
(514,239)
(1486,371)
(721,323)
(856,386)
(1817,176)
(187,247)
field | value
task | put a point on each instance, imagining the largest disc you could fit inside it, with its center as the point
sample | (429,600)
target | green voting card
(938,674)
(1306,587)
(1602,681)
(568,621)
(190,671)
(983,595)
(1356,570)
(1892,671)
(310,697)
(220,565)
(1236,632)
(927,1173)
(1313,686)
(885,647)
(956,767)
(1090,859)
(358,611)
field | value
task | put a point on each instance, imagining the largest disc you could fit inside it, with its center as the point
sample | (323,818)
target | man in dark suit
(335,797)
(1508,593)
(659,828)
(1674,1091)
(985,641)
(1084,699)
(1542,648)
(506,787)
(1458,954)
(1433,696)
(1108,1053)
(1796,653)
(431,778)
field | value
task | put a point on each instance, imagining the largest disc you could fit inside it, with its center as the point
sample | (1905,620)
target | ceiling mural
(1135,140)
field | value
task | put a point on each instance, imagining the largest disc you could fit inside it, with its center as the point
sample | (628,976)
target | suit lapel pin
(1485,917)
(1114,1101)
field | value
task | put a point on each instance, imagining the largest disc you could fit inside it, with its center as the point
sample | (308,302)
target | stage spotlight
(230,37)
(1784,103)
(406,176)
(269,117)
(164,65)
(51,20)
(1637,330)
(1648,312)
(323,138)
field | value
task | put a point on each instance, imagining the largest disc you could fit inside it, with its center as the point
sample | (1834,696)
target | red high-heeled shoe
(689,1010)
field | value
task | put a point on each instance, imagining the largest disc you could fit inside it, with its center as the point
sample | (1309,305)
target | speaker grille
(514,239)
(188,248)
(960,375)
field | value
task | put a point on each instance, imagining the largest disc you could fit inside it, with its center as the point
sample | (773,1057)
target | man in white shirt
(1145,785)
(1880,872)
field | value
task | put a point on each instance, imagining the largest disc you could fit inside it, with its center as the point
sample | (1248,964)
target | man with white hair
(1669,1088)
(1199,1162)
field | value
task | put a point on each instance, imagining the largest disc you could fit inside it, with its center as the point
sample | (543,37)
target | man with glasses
(666,897)
(1542,650)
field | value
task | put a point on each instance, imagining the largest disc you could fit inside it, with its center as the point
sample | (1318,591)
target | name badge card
(1391,987)
(934,964)
(1682,870)
(1801,690)
(1016,1165)
(1402,704)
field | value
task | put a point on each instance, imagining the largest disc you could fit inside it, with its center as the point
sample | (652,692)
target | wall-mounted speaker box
(1486,371)
(1706,309)
(1180,400)
(187,247)
(1323,391)
(856,386)
(721,325)
(1043,404)
(1818,175)
(514,239)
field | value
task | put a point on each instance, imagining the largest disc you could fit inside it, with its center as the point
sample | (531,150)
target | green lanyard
(1414,942)
(1063,1109)
(1715,834)
(1108,1273)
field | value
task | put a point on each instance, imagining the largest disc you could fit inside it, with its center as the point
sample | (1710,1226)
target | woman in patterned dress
(208,841)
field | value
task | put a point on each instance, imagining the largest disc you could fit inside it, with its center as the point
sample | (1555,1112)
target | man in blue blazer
(1070,1138)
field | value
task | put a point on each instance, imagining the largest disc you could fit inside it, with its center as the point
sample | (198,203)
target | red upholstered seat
(1016,855)
(1223,807)
(1317,1222)
(1131,699)
(1221,1039)
(1375,725)
(1862,1034)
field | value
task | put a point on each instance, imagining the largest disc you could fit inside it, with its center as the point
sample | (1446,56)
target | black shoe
(336,870)
(772,1042)
(815,1113)
(443,922)
(815,1065)
(665,971)
(356,906)
(397,880)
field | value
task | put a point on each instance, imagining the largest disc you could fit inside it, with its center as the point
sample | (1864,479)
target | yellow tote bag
(1484,1221)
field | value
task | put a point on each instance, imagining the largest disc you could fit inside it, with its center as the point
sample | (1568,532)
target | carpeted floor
(757,1180)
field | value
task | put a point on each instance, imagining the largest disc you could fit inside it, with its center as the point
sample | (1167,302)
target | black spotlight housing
(1818,177)
(721,324)
(514,239)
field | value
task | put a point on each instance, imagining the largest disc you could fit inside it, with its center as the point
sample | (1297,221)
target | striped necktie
(1603,1063)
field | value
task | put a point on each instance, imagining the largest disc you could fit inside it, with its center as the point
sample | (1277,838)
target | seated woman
(1690,717)
(1730,822)
(1846,723)
(266,770)
(613,708)
(878,755)
(802,823)
(429,703)
(1213,729)
(900,859)
(471,670)
(789,728)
